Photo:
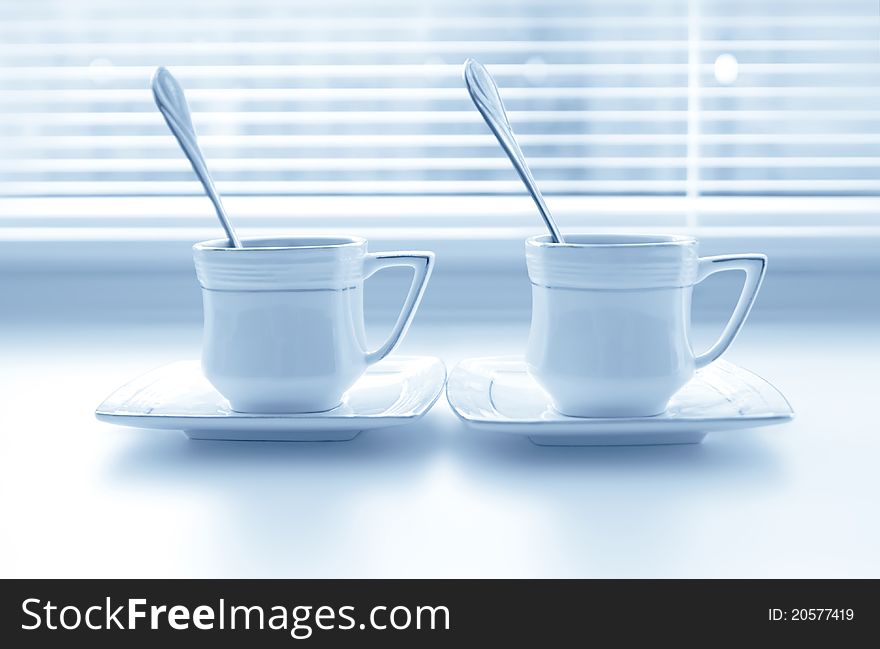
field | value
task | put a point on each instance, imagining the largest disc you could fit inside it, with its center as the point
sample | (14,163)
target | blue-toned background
(754,125)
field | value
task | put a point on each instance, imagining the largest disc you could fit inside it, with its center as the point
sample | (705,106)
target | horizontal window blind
(633,109)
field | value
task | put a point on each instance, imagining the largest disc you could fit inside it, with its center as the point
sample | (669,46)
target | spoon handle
(171,101)
(484,93)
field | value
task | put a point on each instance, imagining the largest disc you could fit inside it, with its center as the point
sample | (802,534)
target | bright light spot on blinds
(726,68)
(101,71)
(535,69)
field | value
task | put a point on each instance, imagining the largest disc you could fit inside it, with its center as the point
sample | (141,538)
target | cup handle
(422,264)
(754,266)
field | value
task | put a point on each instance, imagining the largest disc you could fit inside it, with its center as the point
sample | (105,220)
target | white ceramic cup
(284,318)
(611,317)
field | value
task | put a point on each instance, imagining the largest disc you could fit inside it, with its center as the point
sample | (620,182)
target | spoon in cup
(171,101)
(484,93)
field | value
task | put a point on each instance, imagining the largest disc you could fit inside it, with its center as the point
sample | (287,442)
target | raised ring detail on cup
(281,264)
(589,261)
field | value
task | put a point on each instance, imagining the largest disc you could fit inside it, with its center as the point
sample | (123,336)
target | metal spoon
(172,104)
(484,94)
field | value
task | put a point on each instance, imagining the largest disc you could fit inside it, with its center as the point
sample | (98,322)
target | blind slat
(344,98)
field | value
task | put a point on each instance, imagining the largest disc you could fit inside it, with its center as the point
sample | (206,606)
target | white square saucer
(395,391)
(499,394)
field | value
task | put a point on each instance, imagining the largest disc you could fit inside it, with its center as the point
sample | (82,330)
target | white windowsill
(99,259)
(140,233)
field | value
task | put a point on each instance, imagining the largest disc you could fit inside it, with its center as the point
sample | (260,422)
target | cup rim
(639,240)
(320,242)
